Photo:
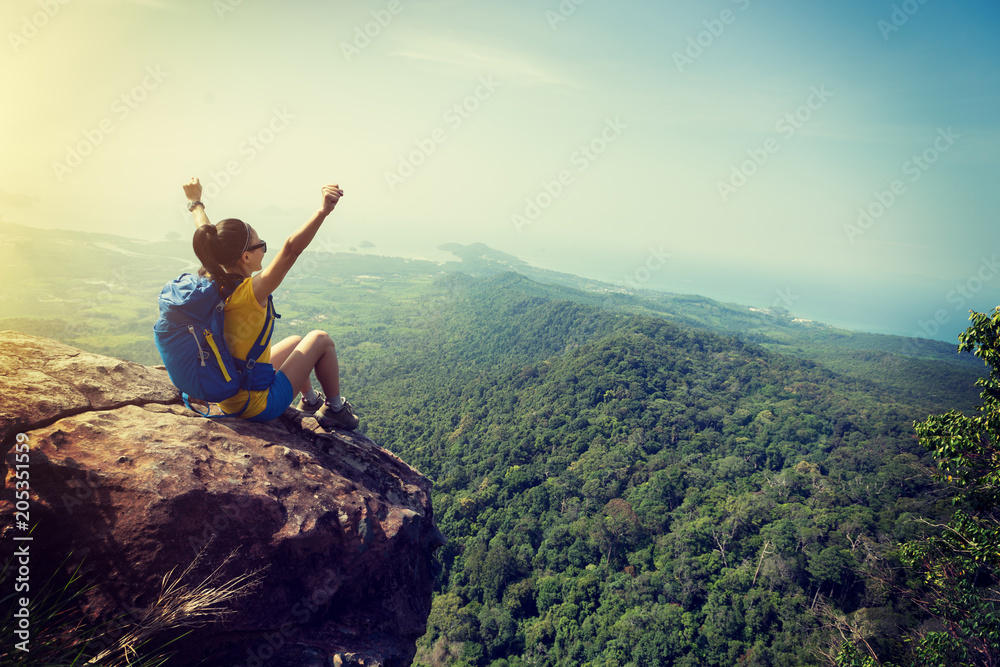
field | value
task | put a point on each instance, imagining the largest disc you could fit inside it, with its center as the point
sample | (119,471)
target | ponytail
(219,246)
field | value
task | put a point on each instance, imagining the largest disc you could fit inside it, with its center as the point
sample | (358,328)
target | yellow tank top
(244,320)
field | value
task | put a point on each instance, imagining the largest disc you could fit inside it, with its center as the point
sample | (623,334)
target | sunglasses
(262,244)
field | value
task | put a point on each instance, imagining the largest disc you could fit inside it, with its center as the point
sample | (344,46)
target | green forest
(620,490)
(633,479)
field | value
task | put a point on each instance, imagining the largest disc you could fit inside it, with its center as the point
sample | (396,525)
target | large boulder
(129,483)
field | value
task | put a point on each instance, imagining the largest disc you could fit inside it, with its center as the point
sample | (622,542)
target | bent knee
(320,337)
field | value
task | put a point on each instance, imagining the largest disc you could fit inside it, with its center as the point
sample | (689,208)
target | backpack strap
(257,376)
(208,410)
(264,337)
(246,368)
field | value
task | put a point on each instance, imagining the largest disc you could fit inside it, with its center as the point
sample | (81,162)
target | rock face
(126,480)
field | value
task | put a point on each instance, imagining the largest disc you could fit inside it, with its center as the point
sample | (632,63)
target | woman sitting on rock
(231,253)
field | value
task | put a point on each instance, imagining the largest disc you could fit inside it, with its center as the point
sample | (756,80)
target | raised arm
(192,190)
(268,280)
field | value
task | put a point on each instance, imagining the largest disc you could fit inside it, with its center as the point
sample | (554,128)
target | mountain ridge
(75,286)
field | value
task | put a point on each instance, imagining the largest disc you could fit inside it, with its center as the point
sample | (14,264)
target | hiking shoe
(310,408)
(344,418)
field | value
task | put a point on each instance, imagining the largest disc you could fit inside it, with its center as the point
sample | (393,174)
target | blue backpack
(190,337)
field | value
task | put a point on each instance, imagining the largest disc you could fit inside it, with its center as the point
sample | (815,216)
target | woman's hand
(271,276)
(192,190)
(331,195)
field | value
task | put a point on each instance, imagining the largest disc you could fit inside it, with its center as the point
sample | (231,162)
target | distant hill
(928,368)
(98,291)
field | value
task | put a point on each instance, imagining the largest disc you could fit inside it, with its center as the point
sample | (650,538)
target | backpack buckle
(250,363)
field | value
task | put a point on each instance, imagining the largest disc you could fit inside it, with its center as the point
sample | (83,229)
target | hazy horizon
(810,299)
(835,159)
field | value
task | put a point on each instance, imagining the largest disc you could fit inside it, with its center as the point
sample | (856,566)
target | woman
(231,253)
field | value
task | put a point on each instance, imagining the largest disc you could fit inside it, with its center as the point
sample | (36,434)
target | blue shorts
(279,397)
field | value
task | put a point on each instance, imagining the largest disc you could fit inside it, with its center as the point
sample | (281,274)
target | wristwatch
(192,204)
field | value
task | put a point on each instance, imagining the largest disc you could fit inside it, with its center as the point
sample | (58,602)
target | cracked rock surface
(129,483)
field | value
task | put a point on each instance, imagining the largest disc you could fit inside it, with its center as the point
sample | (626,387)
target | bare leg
(314,352)
(280,352)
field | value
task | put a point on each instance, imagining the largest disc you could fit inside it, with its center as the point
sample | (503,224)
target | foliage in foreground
(952,575)
(61,637)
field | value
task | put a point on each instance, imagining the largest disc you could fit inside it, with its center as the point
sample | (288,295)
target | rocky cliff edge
(127,481)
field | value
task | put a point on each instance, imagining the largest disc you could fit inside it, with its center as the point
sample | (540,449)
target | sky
(837,159)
